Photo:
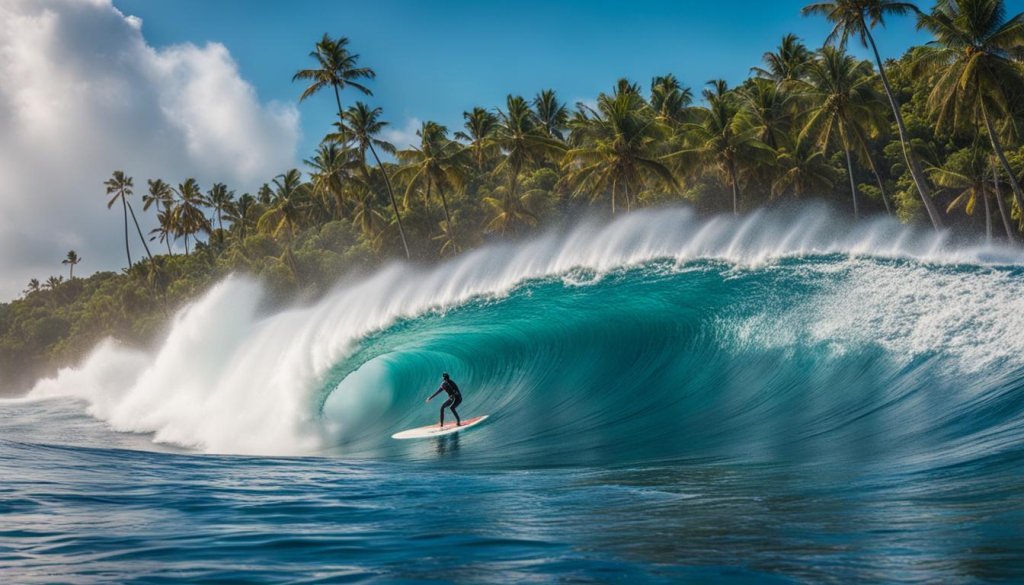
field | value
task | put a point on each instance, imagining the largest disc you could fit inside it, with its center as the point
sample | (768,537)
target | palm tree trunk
(881,185)
(337,100)
(1002,206)
(394,204)
(448,218)
(998,147)
(124,207)
(908,155)
(139,230)
(988,215)
(167,231)
(849,171)
(735,188)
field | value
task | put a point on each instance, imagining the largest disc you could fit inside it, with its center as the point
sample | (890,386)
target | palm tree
(53,282)
(965,173)
(972,57)
(370,221)
(333,166)
(436,162)
(265,194)
(551,113)
(220,200)
(447,239)
(33,286)
(624,85)
(70,260)
(670,99)
(165,228)
(769,107)
(525,143)
(857,18)
(120,186)
(361,124)
(242,214)
(188,216)
(618,151)
(290,194)
(480,127)
(842,96)
(160,193)
(788,64)
(337,68)
(507,212)
(722,137)
(803,167)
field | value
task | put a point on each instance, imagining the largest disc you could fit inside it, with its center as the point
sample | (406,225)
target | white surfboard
(439,431)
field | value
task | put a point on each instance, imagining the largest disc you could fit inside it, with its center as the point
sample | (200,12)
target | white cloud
(81,95)
(405,136)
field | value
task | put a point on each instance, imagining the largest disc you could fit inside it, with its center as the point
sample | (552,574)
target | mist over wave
(658,335)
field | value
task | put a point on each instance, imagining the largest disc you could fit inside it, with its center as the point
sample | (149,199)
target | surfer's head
(445,375)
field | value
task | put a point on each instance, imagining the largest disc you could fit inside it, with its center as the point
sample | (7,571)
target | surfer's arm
(435,393)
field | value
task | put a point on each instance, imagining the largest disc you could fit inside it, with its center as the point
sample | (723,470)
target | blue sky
(436,59)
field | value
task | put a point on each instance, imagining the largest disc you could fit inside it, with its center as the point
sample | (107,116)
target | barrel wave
(818,358)
(656,337)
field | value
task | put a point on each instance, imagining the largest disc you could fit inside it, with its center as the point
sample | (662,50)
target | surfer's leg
(446,404)
(458,401)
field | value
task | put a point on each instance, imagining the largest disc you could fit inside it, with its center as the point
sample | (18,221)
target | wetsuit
(454,399)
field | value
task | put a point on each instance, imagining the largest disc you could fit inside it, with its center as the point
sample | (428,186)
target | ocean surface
(781,398)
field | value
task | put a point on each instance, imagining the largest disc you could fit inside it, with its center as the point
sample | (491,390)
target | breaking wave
(658,336)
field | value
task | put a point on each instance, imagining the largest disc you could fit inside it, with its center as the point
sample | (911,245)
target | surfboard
(439,431)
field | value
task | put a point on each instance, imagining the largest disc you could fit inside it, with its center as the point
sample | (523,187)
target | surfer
(454,398)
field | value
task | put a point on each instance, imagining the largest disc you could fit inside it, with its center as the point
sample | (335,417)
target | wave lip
(230,380)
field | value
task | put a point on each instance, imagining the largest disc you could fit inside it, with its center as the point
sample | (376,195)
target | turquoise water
(821,416)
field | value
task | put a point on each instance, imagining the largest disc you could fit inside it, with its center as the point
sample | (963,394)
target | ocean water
(783,398)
